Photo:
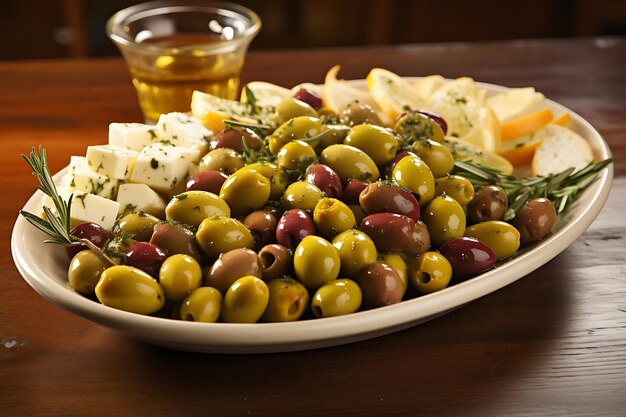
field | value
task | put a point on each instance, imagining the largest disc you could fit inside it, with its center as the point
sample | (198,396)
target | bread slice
(560,149)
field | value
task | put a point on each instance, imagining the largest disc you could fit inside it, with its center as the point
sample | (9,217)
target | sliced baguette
(560,149)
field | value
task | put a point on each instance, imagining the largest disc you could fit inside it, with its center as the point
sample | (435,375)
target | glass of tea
(173,48)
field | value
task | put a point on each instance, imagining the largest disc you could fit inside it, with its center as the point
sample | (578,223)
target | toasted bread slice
(560,149)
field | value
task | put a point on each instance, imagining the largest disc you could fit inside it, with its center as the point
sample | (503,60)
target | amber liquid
(165,83)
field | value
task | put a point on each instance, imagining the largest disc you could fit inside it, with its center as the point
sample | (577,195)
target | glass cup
(173,48)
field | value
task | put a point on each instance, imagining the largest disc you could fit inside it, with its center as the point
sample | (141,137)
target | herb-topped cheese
(161,166)
(133,136)
(113,161)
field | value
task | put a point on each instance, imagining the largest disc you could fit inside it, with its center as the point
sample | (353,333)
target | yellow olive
(297,155)
(84,271)
(416,125)
(350,162)
(245,300)
(192,207)
(435,155)
(501,237)
(137,225)
(336,134)
(455,186)
(302,195)
(337,298)
(222,159)
(430,272)
(316,262)
(245,191)
(332,216)
(414,175)
(287,301)
(445,219)
(222,234)
(377,142)
(292,107)
(204,304)
(277,177)
(179,275)
(130,289)
(356,250)
(301,127)
(396,262)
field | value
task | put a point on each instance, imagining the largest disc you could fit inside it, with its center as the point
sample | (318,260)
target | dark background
(75,28)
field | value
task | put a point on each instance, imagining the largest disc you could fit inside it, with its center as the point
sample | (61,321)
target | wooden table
(553,343)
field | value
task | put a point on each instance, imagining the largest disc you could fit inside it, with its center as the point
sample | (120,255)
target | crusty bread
(560,149)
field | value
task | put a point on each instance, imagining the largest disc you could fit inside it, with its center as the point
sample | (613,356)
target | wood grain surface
(551,344)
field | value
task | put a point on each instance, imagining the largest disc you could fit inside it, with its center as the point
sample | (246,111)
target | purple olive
(535,220)
(292,227)
(352,191)
(468,256)
(90,231)
(325,179)
(397,159)
(420,240)
(262,224)
(381,285)
(390,232)
(231,266)
(231,137)
(175,239)
(380,197)
(276,261)
(431,115)
(310,97)
(210,181)
(145,256)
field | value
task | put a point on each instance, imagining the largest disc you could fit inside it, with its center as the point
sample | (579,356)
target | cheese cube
(161,166)
(86,180)
(111,160)
(64,191)
(133,136)
(92,208)
(140,197)
(186,131)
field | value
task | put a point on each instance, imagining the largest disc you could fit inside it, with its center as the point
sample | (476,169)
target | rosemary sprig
(561,188)
(259,128)
(251,100)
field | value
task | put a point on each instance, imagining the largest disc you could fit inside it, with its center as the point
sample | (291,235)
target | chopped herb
(154,163)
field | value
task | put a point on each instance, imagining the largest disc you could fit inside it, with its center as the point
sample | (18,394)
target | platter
(44,268)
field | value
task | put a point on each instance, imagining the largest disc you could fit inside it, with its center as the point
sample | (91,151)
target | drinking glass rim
(147,9)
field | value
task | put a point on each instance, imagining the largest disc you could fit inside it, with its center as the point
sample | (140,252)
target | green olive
(356,251)
(337,298)
(435,155)
(417,125)
(455,186)
(277,177)
(84,271)
(501,237)
(302,195)
(332,216)
(245,191)
(179,275)
(414,175)
(192,207)
(139,225)
(377,142)
(336,134)
(204,304)
(292,107)
(430,272)
(296,155)
(288,300)
(396,262)
(245,301)
(127,288)
(221,159)
(350,162)
(316,262)
(445,219)
(222,234)
(357,112)
(301,127)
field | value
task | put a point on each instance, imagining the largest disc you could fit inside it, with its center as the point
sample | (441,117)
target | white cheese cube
(161,167)
(133,136)
(92,208)
(184,130)
(111,160)
(89,181)
(75,162)
(140,197)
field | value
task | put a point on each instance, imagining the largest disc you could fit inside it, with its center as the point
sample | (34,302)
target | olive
(395,160)
(127,288)
(357,113)
(277,177)
(301,127)
(293,107)
(179,276)
(359,213)
(210,181)
(116,247)
(420,240)
(457,187)
(296,155)
(84,271)
(302,195)
(416,125)
(316,262)
(174,239)
(325,179)
(222,234)
(93,232)
(204,304)
(276,261)
(380,284)
(435,155)
(233,137)
(245,300)
(501,237)
(468,256)
(262,224)
(293,226)
(145,256)
(231,266)
(489,203)
(535,220)
(288,299)
(378,143)
(337,298)
(380,197)
(350,162)
(430,272)
(334,135)
(332,216)
(444,218)
(414,175)
(431,115)
(396,262)
(310,97)
(390,232)
(192,207)
(139,225)
(356,251)
(352,191)
(225,160)
(245,191)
